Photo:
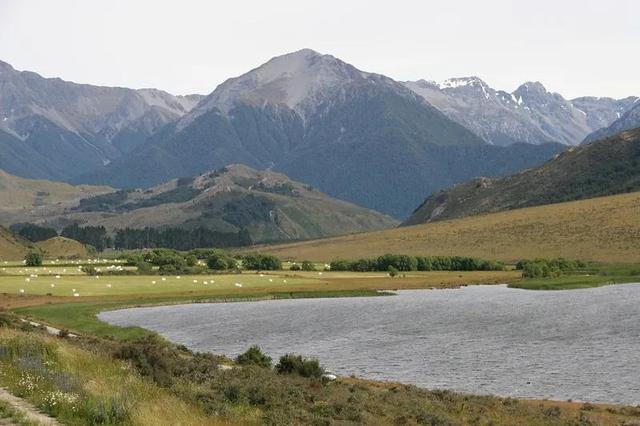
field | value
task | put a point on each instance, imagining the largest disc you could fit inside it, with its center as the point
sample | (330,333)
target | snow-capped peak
(452,83)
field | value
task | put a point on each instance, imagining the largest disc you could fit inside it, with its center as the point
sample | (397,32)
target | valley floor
(211,394)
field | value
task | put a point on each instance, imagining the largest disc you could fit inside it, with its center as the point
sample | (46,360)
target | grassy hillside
(12,247)
(62,247)
(606,167)
(24,198)
(599,229)
(269,205)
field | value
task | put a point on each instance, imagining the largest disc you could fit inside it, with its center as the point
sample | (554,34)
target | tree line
(133,239)
(178,238)
(197,261)
(401,262)
(548,268)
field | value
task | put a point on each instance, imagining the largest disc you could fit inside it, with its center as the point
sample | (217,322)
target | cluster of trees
(178,238)
(261,262)
(33,232)
(200,260)
(401,262)
(548,268)
(94,236)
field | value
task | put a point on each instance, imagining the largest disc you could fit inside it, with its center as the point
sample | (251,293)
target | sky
(574,47)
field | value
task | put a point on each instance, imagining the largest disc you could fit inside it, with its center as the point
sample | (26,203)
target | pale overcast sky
(574,47)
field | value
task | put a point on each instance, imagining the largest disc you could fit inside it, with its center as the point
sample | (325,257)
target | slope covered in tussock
(601,229)
(609,166)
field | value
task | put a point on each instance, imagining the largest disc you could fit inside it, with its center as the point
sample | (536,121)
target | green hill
(605,167)
(270,206)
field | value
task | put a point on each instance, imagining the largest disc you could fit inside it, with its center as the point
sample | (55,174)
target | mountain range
(55,129)
(630,120)
(605,167)
(530,114)
(357,136)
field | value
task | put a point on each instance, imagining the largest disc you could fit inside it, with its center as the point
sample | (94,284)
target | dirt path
(30,412)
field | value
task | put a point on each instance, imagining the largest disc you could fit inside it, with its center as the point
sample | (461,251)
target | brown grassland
(604,229)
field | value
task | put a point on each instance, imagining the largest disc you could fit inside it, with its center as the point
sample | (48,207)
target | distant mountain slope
(605,229)
(50,128)
(355,135)
(530,114)
(270,206)
(604,167)
(630,120)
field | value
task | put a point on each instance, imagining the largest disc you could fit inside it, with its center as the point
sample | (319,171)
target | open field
(605,229)
(88,286)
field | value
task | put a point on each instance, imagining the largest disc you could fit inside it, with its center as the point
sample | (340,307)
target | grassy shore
(88,380)
(598,275)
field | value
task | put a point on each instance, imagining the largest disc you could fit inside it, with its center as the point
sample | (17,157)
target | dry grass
(63,248)
(11,246)
(24,197)
(605,229)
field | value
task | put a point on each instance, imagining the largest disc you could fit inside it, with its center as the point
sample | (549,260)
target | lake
(579,344)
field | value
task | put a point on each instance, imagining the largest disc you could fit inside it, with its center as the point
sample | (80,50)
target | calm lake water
(578,344)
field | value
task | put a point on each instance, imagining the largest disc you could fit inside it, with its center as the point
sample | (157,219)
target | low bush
(296,364)
(255,356)
(308,266)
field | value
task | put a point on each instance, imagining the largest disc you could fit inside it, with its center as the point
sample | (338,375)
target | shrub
(33,258)
(296,364)
(144,268)
(191,260)
(295,267)
(255,356)
(340,265)
(392,271)
(151,358)
(89,270)
(308,266)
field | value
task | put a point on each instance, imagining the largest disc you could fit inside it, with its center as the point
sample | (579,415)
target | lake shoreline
(359,374)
